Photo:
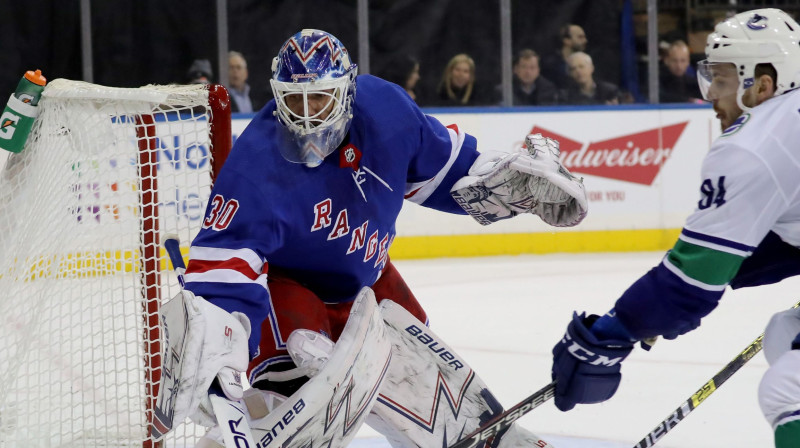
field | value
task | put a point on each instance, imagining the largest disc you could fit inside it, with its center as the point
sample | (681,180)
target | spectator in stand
(458,87)
(583,88)
(237,83)
(404,71)
(676,83)
(554,65)
(529,87)
(200,72)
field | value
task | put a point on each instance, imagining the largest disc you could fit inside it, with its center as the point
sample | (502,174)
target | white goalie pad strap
(331,406)
(532,180)
(201,342)
(309,350)
(431,396)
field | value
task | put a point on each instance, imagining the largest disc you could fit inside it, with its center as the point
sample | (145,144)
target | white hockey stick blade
(232,421)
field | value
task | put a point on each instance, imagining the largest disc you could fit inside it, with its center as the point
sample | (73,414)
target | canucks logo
(757,22)
(738,124)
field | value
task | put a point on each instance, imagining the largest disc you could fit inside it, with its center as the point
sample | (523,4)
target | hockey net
(105,173)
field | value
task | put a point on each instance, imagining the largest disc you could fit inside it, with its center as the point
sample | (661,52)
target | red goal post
(105,172)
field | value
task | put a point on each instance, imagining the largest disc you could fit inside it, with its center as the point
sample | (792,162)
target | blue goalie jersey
(328,227)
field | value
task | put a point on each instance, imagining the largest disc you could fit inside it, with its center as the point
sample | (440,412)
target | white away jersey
(749,186)
(751,176)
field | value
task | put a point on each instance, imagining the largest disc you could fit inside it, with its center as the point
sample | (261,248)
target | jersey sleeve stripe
(716,243)
(418,192)
(689,280)
(234,264)
(708,266)
(217,254)
(786,417)
(225,276)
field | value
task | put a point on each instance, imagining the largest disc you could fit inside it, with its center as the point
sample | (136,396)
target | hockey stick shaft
(704,392)
(230,415)
(507,418)
(173,247)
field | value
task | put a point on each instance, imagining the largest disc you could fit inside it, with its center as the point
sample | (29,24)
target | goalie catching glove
(203,343)
(532,180)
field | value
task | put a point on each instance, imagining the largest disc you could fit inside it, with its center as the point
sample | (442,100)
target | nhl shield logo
(350,156)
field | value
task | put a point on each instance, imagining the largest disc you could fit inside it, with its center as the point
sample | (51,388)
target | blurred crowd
(565,76)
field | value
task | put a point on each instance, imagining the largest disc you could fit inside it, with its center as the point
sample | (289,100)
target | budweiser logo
(633,158)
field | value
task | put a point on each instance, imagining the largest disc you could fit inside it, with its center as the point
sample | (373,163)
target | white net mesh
(79,237)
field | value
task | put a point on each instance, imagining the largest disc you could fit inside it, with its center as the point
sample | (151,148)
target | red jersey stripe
(234,264)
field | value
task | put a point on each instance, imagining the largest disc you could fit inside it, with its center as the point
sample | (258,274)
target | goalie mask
(313,81)
(737,45)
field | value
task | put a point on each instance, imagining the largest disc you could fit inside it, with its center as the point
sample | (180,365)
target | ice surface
(504,314)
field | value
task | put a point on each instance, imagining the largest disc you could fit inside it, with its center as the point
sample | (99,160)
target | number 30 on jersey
(220,213)
(711,195)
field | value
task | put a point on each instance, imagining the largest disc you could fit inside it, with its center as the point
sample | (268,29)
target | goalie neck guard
(313,81)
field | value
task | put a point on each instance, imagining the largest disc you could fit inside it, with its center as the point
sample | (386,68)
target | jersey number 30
(221,213)
(710,195)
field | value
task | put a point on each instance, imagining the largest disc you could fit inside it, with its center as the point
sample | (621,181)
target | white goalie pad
(431,396)
(328,410)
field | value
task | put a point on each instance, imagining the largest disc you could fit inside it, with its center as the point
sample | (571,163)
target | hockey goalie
(296,237)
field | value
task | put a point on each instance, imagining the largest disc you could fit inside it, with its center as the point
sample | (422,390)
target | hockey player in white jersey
(744,232)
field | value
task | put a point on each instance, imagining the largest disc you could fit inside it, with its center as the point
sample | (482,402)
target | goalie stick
(704,392)
(230,415)
(507,418)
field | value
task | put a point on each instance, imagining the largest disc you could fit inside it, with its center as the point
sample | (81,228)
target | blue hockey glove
(587,370)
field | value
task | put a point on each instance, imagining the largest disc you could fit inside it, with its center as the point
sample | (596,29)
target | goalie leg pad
(431,396)
(330,407)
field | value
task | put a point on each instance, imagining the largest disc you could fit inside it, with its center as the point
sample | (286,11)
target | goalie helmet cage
(105,172)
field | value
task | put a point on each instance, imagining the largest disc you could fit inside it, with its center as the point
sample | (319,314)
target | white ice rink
(504,314)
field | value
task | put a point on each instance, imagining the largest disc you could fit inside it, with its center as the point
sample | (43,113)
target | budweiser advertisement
(634,157)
